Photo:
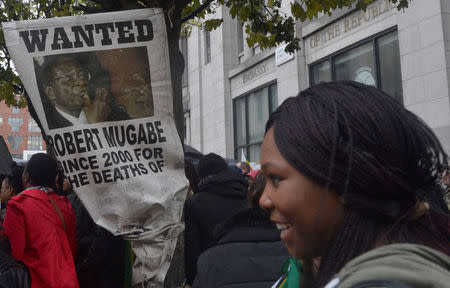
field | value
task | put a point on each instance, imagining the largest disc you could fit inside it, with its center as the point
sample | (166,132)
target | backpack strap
(59,213)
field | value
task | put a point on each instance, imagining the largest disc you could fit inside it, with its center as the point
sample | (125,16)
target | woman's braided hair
(382,159)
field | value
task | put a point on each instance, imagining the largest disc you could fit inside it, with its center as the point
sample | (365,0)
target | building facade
(230,89)
(21,133)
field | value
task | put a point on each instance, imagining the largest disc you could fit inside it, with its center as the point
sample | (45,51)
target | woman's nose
(265,202)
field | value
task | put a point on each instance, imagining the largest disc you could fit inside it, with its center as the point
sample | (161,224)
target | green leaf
(212,24)
(298,12)
(7,93)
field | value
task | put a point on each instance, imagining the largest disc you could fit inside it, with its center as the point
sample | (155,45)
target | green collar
(292,268)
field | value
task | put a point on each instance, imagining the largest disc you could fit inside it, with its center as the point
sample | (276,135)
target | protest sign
(101,87)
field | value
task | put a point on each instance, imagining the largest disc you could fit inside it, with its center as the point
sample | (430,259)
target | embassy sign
(349,23)
(254,73)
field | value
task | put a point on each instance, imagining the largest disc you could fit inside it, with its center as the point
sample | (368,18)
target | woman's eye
(275,180)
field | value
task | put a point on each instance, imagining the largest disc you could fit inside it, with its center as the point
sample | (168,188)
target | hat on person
(211,164)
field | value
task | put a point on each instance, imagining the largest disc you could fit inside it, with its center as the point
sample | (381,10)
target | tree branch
(258,13)
(268,10)
(182,3)
(197,11)
(88,9)
(18,88)
(38,11)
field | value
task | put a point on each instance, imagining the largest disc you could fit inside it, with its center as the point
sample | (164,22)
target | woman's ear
(10,192)
(26,179)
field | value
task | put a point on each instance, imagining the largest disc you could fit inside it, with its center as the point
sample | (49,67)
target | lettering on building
(350,22)
(254,73)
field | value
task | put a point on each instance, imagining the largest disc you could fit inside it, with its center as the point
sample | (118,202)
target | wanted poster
(101,87)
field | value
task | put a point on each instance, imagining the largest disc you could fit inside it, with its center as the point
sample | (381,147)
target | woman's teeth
(283,226)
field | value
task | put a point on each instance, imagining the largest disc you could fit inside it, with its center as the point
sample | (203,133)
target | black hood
(227,183)
(248,225)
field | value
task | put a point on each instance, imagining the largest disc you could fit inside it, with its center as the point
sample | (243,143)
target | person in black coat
(13,273)
(100,259)
(220,194)
(11,185)
(248,253)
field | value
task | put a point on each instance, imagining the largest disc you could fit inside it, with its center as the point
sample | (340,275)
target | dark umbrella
(5,158)
(192,154)
(190,151)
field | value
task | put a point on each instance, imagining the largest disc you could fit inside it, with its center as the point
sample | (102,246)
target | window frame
(33,126)
(17,118)
(246,97)
(207,38)
(240,38)
(31,139)
(184,52)
(373,38)
(18,145)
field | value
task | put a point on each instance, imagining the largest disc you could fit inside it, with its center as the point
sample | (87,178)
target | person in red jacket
(40,225)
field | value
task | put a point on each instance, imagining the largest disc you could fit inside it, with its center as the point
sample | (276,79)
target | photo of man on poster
(76,89)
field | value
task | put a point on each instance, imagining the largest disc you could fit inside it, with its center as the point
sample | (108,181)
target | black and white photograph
(92,87)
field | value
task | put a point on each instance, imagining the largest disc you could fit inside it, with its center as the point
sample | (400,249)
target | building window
(32,126)
(34,143)
(207,46)
(240,40)
(1,120)
(374,61)
(251,113)
(187,127)
(16,156)
(184,52)
(15,123)
(184,129)
(14,141)
(15,110)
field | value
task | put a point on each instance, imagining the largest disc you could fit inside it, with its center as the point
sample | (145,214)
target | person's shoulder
(192,201)
(15,199)
(396,263)
(23,202)
(61,200)
(55,119)
(25,195)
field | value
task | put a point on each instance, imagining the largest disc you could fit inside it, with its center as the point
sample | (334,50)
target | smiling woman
(297,200)
(348,169)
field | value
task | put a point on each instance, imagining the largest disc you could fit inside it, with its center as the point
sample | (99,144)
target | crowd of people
(351,193)
(48,238)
